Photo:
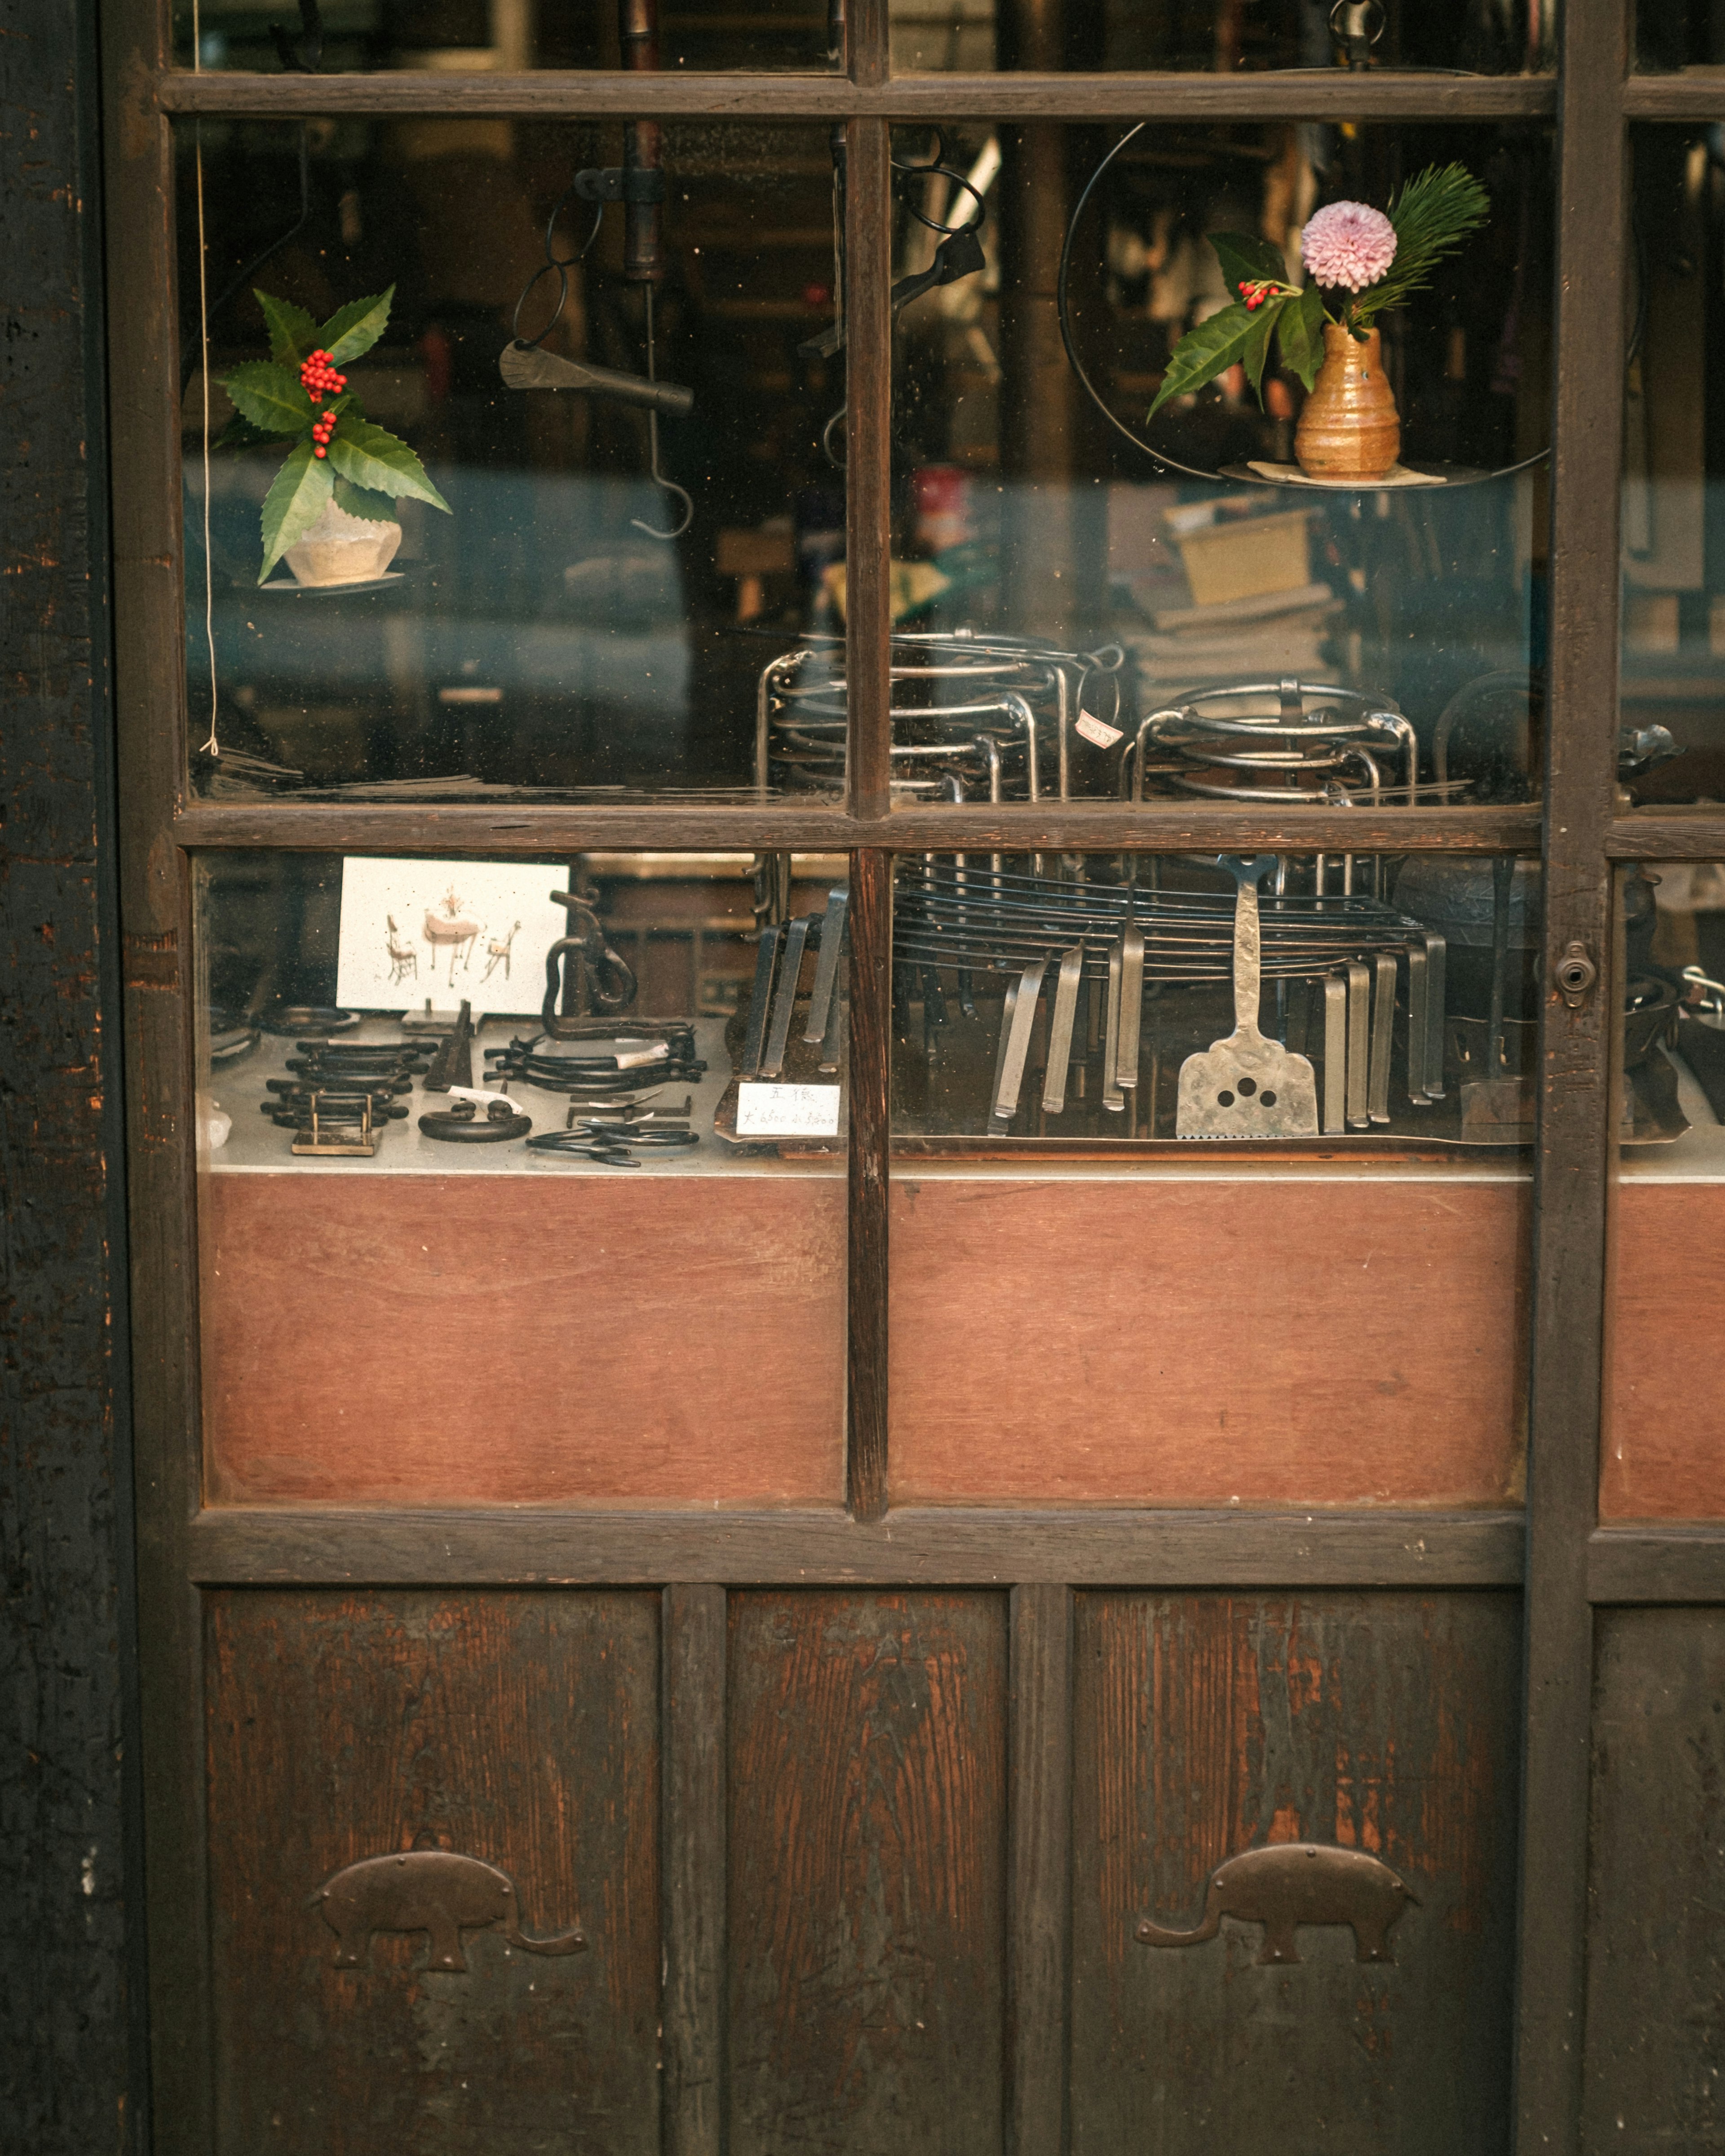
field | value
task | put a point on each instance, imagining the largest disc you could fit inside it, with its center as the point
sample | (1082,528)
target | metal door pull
(1016,1039)
(754,1039)
(1359,1011)
(790,973)
(1382,1036)
(1335,1055)
(826,970)
(1060,1037)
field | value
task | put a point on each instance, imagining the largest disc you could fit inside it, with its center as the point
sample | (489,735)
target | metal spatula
(1246,1086)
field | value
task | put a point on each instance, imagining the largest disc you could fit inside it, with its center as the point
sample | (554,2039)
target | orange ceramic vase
(1350,427)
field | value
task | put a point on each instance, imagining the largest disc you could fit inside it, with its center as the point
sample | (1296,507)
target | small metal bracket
(632,183)
(1576,975)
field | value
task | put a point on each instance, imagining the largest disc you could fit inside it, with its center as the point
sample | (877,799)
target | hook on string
(659,479)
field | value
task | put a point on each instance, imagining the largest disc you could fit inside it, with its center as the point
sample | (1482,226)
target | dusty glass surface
(1069,570)
(505,1195)
(542,615)
(1277,1007)
(1481,37)
(1672,744)
(1671,34)
(355,36)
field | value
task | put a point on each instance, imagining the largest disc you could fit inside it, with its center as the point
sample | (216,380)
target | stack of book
(1250,639)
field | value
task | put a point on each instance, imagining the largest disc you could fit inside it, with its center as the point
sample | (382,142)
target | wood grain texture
(1319,94)
(966,1545)
(519,1728)
(427,1340)
(693,1622)
(868,1829)
(1655,1997)
(1661,1564)
(1205,1725)
(1662,1450)
(1668,834)
(1167,1342)
(1040,1885)
(553,829)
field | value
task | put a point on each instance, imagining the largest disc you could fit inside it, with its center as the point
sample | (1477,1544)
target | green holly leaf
(1301,332)
(293,333)
(1204,353)
(361,501)
(239,434)
(357,327)
(371,457)
(1257,349)
(298,498)
(1247,260)
(270,396)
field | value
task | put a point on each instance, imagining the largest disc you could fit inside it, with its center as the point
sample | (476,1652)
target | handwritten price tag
(787,1111)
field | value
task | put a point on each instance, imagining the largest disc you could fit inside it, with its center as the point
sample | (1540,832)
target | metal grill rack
(974,717)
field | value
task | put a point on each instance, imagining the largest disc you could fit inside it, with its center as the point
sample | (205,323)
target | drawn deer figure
(498,953)
(450,928)
(403,958)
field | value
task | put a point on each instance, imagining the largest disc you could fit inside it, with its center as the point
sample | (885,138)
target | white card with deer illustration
(447,932)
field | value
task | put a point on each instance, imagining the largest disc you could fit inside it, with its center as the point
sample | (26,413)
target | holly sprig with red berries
(335,453)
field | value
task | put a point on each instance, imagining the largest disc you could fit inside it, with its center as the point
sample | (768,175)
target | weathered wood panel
(1664,1443)
(519,1728)
(1205,1725)
(1655,2006)
(1165,1341)
(867,1783)
(433,1340)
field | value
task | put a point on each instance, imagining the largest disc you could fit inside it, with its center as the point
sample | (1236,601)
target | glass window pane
(359,36)
(1069,569)
(1484,36)
(1679,33)
(1664,1454)
(488,1215)
(541,616)
(1672,744)
(1255,1228)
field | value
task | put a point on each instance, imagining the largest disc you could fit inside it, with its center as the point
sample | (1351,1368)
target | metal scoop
(1246,1086)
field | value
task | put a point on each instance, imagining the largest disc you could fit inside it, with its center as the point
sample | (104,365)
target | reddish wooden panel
(1157,1340)
(518,1728)
(1664,1443)
(867,1820)
(1206,1725)
(521,1339)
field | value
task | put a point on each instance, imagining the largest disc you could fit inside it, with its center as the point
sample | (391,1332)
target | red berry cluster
(1254,295)
(321,429)
(319,374)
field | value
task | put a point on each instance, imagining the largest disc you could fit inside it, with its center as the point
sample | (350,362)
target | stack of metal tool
(784,947)
(974,718)
(339,1095)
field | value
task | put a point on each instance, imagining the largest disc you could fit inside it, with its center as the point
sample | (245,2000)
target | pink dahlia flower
(1350,243)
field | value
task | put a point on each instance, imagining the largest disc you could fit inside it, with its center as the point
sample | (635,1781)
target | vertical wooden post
(692,1885)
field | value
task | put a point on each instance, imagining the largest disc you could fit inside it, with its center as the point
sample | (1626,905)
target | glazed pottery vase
(340,549)
(1349,429)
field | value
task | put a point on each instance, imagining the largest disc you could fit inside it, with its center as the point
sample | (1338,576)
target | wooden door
(775,1657)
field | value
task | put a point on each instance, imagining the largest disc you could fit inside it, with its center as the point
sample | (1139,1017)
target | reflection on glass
(1103,1000)
(1083,570)
(1679,33)
(1673,1038)
(606,351)
(1482,37)
(1672,744)
(355,36)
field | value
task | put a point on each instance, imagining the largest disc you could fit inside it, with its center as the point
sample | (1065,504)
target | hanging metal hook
(669,486)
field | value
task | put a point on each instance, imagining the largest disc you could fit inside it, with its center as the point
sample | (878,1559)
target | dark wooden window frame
(1556,1550)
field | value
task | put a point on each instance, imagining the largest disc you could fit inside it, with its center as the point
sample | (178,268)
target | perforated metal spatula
(1246,1086)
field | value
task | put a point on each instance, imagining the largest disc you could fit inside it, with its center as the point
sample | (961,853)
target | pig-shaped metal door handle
(1298,1883)
(438,1892)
